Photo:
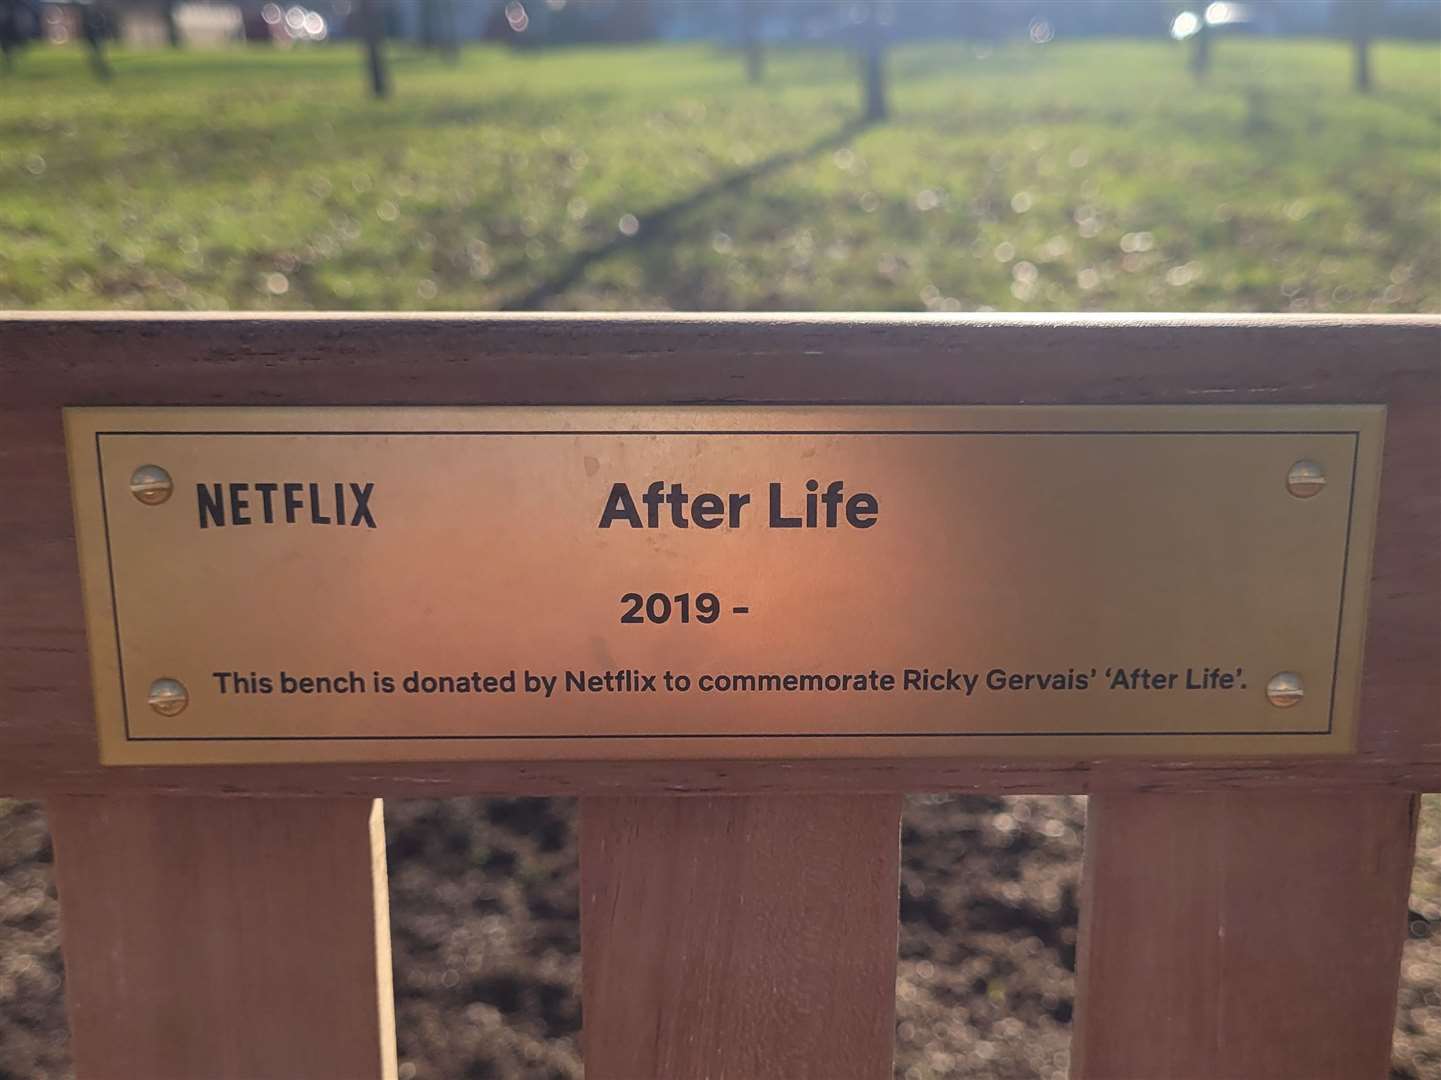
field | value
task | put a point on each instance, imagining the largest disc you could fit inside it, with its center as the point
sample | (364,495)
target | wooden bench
(1240,917)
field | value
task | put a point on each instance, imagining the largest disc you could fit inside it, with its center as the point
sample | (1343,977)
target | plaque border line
(322,739)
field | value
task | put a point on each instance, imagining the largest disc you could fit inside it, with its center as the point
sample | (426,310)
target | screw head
(1285,689)
(1305,479)
(151,484)
(168,697)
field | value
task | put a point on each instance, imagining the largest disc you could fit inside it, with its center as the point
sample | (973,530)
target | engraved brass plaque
(322,584)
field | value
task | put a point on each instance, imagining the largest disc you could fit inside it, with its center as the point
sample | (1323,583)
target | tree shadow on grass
(655,225)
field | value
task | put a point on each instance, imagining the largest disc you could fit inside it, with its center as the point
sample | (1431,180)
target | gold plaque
(327,584)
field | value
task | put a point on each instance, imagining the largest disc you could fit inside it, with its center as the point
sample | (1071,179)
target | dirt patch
(34,1043)
(485,928)
(1416,1051)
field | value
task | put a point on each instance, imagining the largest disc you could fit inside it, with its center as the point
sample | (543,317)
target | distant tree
(751,12)
(1191,24)
(15,30)
(438,29)
(172,25)
(450,31)
(1201,49)
(94,28)
(372,20)
(1359,18)
(632,20)
(871,30)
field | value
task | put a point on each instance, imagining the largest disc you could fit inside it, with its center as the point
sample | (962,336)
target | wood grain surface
(739,938)
(229,939)
(1241,935)
(47,732)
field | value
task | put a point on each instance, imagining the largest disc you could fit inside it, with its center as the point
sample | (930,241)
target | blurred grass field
(1087,176)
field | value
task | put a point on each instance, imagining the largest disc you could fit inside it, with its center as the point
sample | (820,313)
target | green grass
(1088,176)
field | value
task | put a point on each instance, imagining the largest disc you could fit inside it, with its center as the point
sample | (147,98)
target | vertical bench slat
(230,939)
(747,938)
(1242,934)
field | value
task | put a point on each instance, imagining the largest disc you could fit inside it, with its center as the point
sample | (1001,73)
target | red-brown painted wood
(225,939)
(739,938)
(47,731)
(1242,935)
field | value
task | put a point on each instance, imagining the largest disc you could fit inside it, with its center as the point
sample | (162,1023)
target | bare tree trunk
(11,35)
(1361,14)
(172,27)
(94,25)
(437,28)
(751,11)
(1201,51)
(1362,46)
(632,20)
(873,73)
(372,15)
(449,33)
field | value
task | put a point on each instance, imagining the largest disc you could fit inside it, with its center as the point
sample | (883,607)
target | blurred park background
(1017,170)
(935,155)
